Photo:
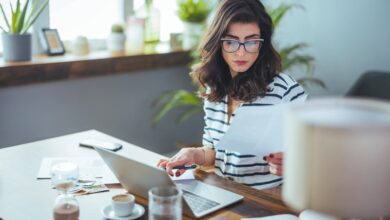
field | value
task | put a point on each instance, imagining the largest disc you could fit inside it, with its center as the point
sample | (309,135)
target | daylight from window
(93,18)
(89,18)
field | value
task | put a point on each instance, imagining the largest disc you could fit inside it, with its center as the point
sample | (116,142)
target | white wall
(119,105)
(346,37)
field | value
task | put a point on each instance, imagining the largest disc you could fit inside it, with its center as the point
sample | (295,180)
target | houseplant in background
(116,40)
(290,55)
(16,40)
(193,13)
(291,58)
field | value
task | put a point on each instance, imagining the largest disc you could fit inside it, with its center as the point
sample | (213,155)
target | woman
(239,69)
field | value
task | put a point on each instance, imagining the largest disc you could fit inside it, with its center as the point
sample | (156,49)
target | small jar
(80,46)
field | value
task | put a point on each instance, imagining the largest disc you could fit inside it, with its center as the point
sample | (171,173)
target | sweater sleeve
(207,139)
(294,92)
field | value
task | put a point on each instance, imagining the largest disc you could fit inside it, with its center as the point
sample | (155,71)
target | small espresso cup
(123,204)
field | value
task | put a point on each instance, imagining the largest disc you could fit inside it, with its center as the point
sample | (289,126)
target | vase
(151,16)
(16,47)
(192,34)
(135,35)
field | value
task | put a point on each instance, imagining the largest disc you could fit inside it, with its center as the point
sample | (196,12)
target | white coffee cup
(123,204)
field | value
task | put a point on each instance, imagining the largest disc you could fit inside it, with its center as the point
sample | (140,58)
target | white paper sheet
(188,175)
(88,167)
(256,130)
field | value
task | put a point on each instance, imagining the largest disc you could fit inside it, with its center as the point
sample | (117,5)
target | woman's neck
(232,107)
(233,73)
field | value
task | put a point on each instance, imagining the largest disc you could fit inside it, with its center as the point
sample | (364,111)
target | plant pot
(16,47)
(192,34)
(116,42)
(80,46)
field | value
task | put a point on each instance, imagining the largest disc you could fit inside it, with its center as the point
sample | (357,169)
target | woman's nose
(241,51)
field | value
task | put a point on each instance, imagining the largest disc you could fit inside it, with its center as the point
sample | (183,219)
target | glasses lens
(230,45)
(252,46)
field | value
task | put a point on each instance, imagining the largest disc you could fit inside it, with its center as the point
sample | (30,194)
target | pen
(193,166)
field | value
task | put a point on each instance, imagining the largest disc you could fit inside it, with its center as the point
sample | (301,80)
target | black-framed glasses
(251,46)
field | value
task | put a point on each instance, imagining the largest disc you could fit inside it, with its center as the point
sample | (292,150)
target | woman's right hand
(186,156)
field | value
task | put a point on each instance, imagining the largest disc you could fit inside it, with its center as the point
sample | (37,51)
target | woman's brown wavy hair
(213,72)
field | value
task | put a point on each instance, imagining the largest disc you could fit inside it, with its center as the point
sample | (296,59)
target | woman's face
(241,60)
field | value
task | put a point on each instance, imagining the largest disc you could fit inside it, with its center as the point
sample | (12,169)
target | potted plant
(16,40)
(116,39)
(194,14)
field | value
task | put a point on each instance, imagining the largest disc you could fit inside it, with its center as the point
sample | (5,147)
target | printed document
(256,130)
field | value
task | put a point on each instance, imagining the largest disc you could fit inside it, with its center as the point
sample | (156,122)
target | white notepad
(88,166)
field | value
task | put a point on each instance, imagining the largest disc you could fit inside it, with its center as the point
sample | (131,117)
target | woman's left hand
(275,161)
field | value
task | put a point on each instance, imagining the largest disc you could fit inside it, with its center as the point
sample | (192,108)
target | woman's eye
(251,43)
(230,42)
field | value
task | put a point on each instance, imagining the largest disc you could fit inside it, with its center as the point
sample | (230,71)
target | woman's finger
(276,161)
(171,164)
(276,169)
(179,172)
(269,159)
(277,155)
(162,163)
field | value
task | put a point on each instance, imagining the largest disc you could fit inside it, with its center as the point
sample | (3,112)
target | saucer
(108,212)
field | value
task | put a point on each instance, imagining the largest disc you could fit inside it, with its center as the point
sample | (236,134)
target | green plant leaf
(34,17)
(13,18)
(193,11)
(32,11)
(162,98)
(5,17)
(311,80)
(291,58)
(176,98)
(22,16)
(278,13)
(20,19)
(286,51)
(305,60)
(190,112)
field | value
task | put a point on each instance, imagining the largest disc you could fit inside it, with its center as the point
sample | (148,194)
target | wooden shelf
(43,68)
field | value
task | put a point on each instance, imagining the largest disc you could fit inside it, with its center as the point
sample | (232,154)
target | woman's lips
(240,62)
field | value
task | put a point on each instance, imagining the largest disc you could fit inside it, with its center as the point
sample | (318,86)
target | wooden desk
(22,196)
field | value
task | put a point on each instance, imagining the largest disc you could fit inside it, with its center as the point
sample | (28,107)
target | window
(93,18)
(90,18)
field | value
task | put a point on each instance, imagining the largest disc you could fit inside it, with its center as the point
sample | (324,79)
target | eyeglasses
(251,46)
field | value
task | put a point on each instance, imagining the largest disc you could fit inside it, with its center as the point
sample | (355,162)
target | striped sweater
(250,170)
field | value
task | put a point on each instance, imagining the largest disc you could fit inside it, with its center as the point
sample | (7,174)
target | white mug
(123,204)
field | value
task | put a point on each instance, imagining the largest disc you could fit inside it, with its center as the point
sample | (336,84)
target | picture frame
(51,41)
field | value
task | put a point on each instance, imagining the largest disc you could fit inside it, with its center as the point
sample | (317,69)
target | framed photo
(51,42)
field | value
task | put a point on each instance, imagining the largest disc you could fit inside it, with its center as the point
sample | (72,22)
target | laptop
(199,199)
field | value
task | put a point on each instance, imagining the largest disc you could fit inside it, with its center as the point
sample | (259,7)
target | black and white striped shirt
(250,170)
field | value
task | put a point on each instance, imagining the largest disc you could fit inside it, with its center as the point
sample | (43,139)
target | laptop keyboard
(197,203)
